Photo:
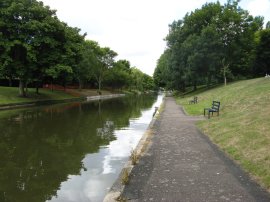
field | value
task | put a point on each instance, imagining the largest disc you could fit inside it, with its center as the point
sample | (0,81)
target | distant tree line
(37,48)
(214,44)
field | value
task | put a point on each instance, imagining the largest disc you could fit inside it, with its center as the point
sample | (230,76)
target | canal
(69,152)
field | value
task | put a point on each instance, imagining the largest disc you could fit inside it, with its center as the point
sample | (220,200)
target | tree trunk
(26,88)
(80,84)
(51,85)
(224,75)
(183,87)
(99,86)
(21,89)
(37,88)
(225,70)
(195,85)
(209,80)
(10,81)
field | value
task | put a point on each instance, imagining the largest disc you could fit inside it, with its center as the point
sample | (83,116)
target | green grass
(9,95)
(243,128)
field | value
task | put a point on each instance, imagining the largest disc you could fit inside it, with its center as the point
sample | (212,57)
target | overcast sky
(135,29)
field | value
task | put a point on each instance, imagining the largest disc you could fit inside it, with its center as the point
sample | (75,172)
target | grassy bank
(243,128)
(9,95)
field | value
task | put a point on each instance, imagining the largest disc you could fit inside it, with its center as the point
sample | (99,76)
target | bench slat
(215,108)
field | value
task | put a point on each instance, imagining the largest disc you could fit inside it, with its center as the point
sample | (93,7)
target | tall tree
(209,43)
(119,76)
(105,60)
(268,25)
(84,72)
(161,73)
(34,40)
(262,62)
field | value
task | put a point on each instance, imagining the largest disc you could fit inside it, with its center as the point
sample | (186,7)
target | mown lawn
(10,95)
(243,128)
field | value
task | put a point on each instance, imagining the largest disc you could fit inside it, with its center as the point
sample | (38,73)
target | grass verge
(9,95)
(242,130)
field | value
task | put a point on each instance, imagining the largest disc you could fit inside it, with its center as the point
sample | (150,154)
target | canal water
(69,152)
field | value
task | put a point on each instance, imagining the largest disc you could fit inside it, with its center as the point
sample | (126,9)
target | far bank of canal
(69,152)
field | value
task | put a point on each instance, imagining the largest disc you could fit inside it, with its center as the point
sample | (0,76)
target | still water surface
(69,152)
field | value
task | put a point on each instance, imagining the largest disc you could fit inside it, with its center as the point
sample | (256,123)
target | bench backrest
(216,105)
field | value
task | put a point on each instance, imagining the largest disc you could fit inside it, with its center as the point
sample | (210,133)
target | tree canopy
(209,45)
(37,48)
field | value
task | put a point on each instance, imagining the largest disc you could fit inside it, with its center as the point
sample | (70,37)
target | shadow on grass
(200,89)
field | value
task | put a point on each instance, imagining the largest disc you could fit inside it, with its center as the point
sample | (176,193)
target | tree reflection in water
(41,147)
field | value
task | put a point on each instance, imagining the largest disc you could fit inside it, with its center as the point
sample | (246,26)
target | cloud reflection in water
(103,168)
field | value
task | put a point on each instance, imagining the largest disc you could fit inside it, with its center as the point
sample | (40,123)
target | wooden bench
(215,108)
(194,101)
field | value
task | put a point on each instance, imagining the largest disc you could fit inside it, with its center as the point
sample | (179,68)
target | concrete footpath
(181,164)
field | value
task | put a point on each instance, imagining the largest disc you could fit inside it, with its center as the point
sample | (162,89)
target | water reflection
(68,152)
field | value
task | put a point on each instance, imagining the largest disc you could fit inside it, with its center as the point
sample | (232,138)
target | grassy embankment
(243,128)
(9,95)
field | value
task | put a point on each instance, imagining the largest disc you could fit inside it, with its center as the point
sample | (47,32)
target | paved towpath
(182,165)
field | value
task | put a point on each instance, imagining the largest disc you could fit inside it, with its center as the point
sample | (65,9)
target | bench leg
(208,114)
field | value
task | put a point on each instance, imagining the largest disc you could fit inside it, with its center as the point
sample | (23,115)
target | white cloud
(259,7)
(135,29)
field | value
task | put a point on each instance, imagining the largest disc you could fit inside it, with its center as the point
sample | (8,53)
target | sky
(135,29)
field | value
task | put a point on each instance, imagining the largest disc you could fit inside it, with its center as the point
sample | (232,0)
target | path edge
(117,188)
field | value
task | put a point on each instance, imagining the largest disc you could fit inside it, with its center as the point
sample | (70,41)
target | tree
(34,40)
(84,72)
(19,27)
(119,75)
(105,60)
(209,43)
(148,82)
(73,53)
(237,33)
(141,81)
(268,25)
(161,73)
(262,62)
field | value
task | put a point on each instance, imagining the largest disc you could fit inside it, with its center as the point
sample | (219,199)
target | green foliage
(119,75)
(84,72)
(268,25)
(35,41)
(9,95)
(209,45)
(36,47)
(262,62)
(161,73)
(141,81)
